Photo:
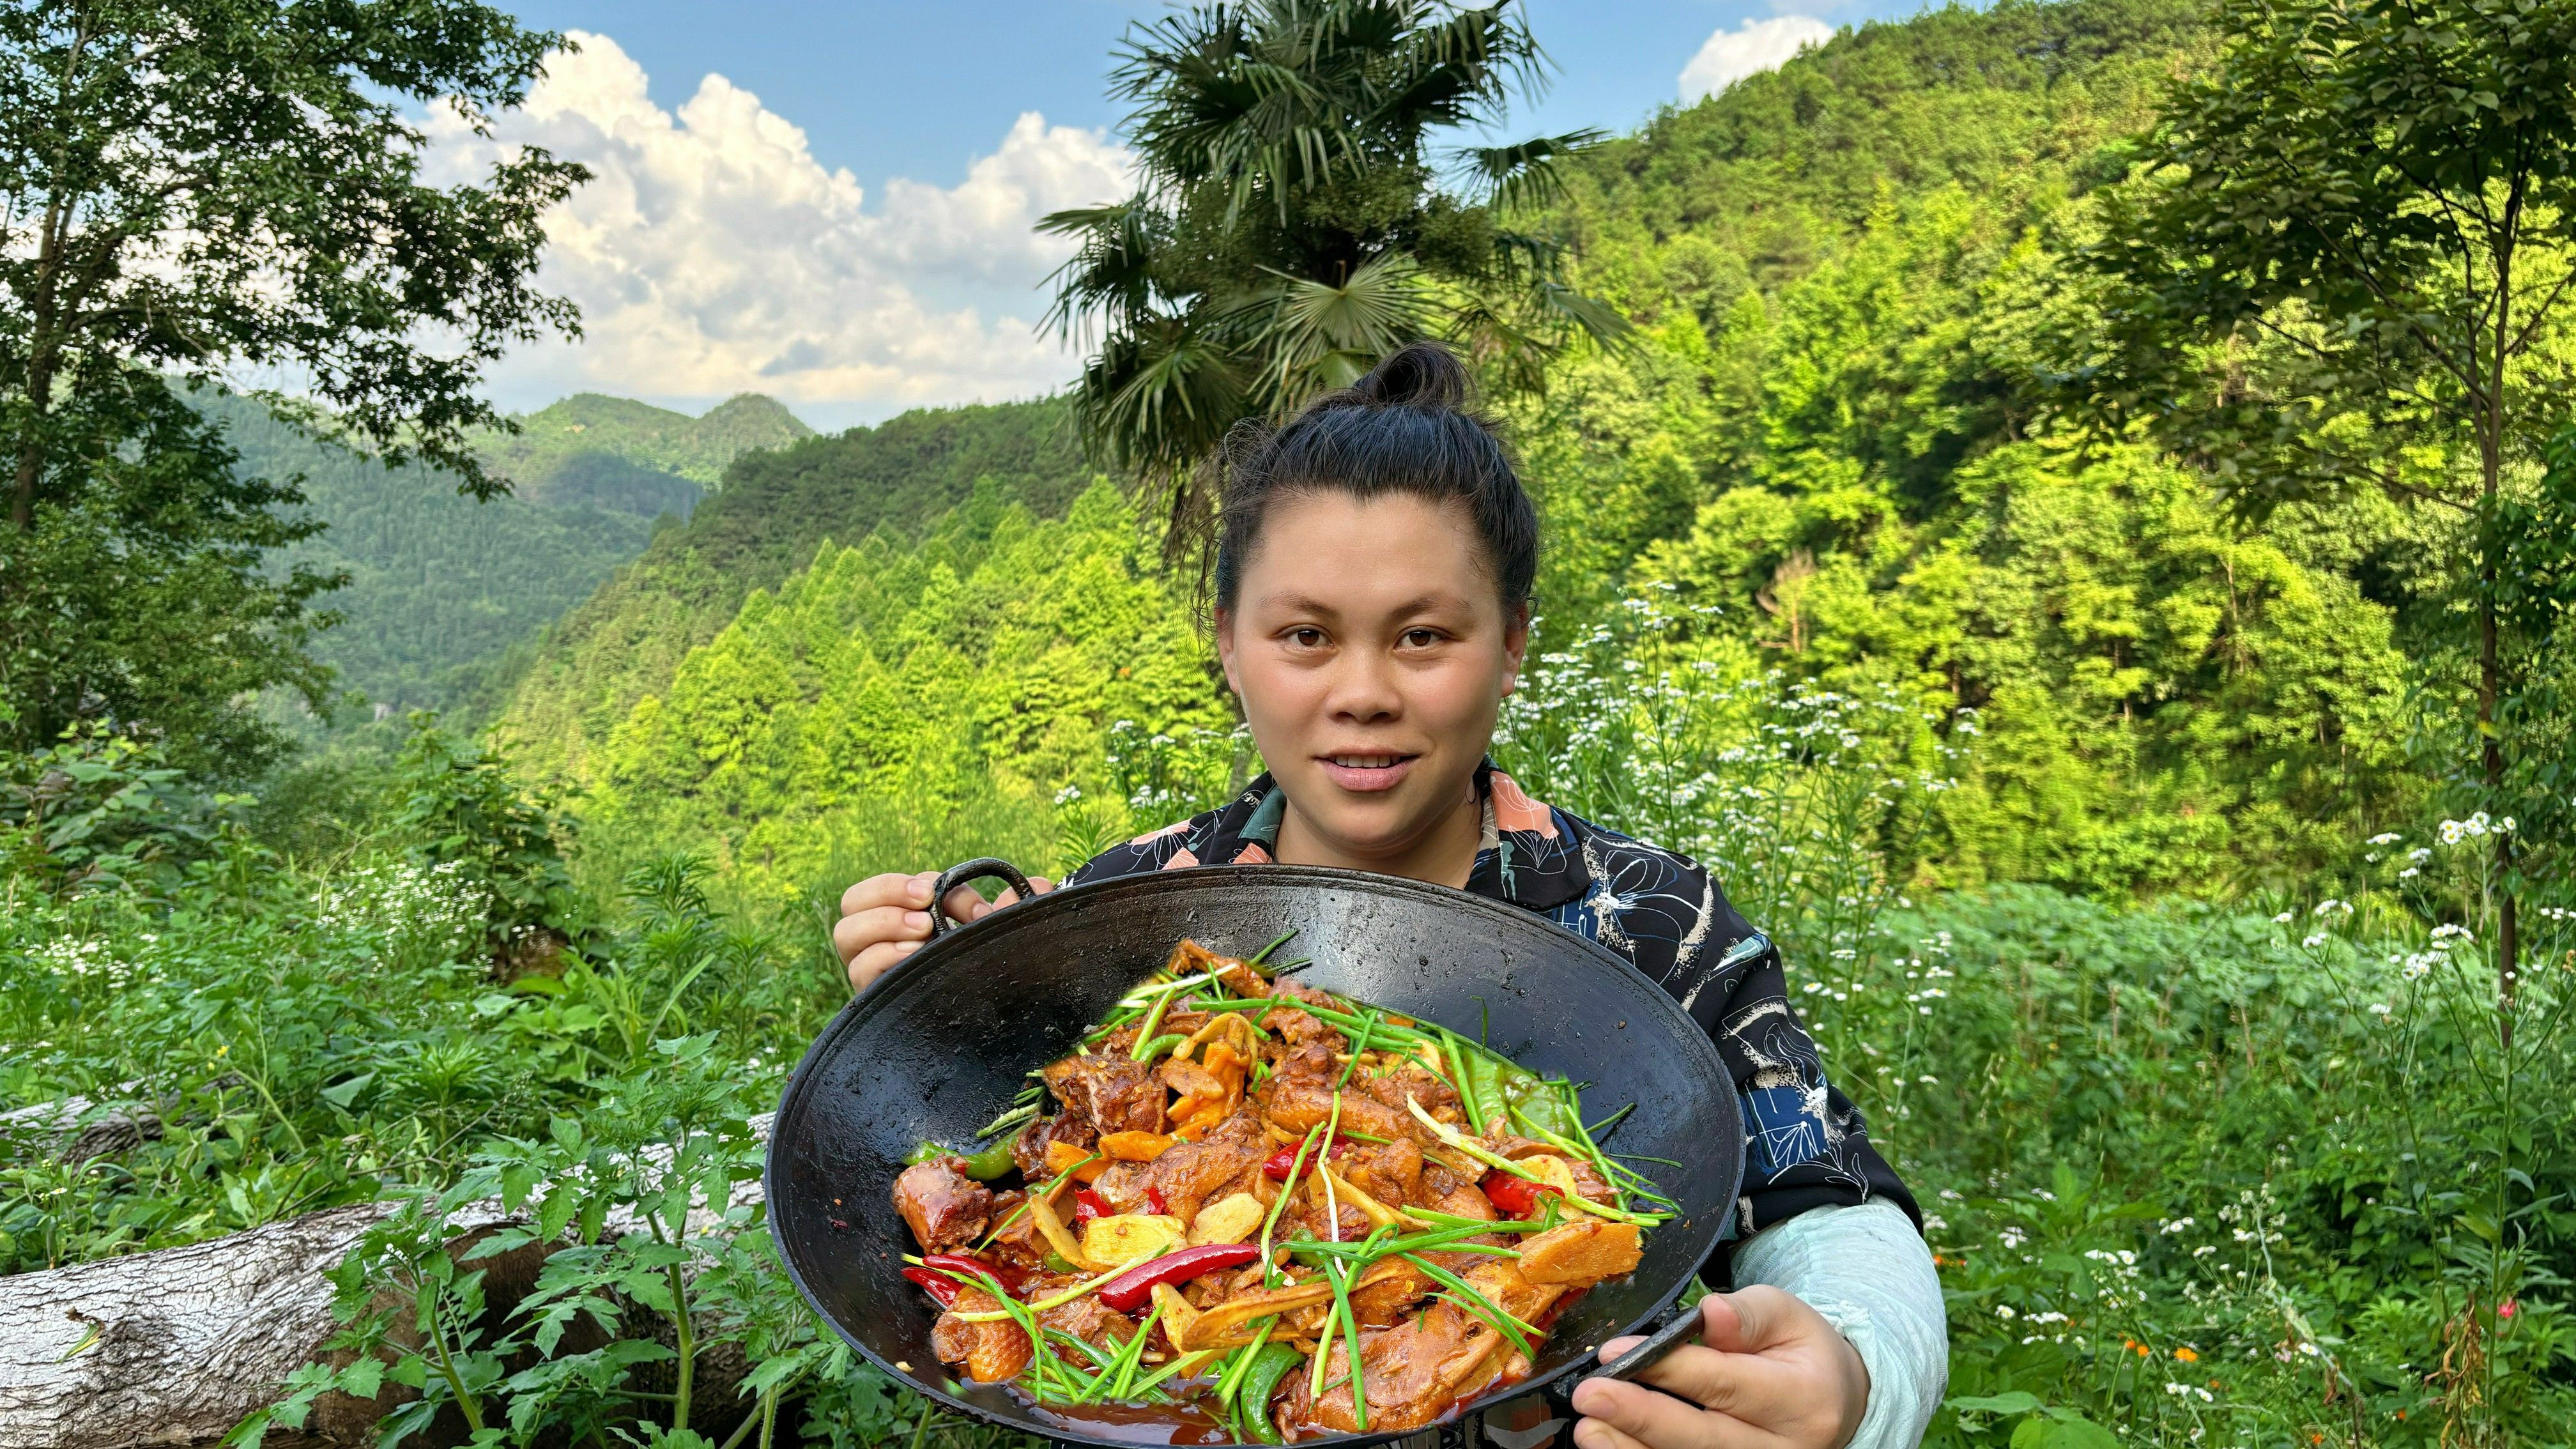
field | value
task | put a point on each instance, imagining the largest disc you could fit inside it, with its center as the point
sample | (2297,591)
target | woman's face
(1371,650)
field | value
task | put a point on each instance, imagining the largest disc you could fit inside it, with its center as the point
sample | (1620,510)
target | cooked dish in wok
(1241,1179)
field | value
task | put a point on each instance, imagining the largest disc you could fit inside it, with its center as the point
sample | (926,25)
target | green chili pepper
(982,1166)
(1273,1364)
(1159,1045)
(1478,1083)
(1536,1098)
(1056,1263)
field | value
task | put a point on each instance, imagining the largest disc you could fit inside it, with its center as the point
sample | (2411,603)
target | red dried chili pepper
(942,1289)
(1280,1164)
(1131,1290)
(1010,1275)
(1154,1201)
(1088,1205)
(1517,1196)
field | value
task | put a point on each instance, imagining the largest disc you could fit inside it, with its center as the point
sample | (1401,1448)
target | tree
(2340,267)
(197,191)
(1291,227)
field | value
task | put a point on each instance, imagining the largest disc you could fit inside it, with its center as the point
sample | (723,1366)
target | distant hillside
(440,586)
(611,451)
(773,510)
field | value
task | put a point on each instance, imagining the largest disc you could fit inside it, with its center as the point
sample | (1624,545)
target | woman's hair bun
(1417,375)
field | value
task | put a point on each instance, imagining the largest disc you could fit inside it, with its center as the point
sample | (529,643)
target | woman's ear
(1223,619)
(1516,629)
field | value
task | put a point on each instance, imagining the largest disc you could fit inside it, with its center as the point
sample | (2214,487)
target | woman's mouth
(1362,771)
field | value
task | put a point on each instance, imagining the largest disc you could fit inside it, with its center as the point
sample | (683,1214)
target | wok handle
(1683,1326)
(986,867)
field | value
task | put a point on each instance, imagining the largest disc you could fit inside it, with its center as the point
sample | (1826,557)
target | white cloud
(712,254)
(1756,46)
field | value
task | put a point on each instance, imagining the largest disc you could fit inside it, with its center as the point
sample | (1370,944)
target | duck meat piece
(1112,1093)
(1580,1253)
(1389,1171)
(1188,1176)
(1381,1303)
(1439,1180)
(1190,958)
(1416,1371)
(1504,1286)
(1088,1319)
(1311,1212)
(1298,1104)
(1413,1079)
(1122,1042)
(1289,989)
(991,1352)
(1296,1029)
(1029,1149)
(946,1208)
(1017,1242)
(1590,1184)
(1309,1065)
(1467,1202)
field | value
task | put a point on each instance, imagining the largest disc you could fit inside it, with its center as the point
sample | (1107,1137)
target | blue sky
(830,202)
(920,90)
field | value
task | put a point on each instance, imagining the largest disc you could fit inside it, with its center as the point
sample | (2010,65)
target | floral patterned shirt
(1805,1144)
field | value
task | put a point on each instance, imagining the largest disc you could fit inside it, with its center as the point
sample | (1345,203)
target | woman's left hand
(1773,1374)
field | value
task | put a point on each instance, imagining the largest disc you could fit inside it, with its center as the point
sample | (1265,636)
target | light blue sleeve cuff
(1870,1274)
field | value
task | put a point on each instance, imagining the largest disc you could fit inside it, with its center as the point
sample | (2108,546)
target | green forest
(2002,511)
(441,587)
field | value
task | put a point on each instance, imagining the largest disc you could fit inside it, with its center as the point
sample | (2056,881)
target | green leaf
(2018,1401)
(517,1181)
(346,1092)
(2067,1430)
(555,1213)
(364,1375)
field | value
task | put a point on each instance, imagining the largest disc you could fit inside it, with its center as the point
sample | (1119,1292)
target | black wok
(940,1044)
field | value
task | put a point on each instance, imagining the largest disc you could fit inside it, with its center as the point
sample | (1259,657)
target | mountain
(618,453)
(441,586)
(774,510)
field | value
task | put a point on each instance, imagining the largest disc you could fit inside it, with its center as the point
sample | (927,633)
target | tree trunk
(2490,662)
(173,1348)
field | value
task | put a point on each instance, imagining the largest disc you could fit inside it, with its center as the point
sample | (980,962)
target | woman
(1372,590)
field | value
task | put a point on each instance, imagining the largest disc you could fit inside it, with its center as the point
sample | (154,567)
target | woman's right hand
(886,918)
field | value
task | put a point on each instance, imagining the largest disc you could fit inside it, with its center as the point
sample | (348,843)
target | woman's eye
(1421,638)
(1306,638)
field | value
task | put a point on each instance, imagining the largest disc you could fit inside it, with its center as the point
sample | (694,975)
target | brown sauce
(1135,1423)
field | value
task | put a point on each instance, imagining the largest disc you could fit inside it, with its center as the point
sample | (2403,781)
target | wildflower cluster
(424,912)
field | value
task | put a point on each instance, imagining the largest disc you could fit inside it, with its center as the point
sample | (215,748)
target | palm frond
(1316,336)
(1110,275)
(1523,175)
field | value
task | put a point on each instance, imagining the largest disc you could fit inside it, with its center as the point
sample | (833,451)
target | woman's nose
(1364,689)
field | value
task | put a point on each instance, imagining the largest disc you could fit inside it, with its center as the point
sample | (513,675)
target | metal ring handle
(986,867)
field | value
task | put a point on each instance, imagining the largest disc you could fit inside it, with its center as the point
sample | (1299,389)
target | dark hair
(1407,427)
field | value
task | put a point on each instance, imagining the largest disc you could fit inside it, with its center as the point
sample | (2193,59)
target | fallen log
(74,1130)
(172,1348)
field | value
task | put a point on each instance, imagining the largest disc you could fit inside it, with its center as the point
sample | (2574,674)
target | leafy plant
(97,811)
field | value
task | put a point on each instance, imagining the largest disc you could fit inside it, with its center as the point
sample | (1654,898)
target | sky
(831,202)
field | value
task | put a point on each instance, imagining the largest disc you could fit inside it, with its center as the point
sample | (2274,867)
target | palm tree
(1293,223)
